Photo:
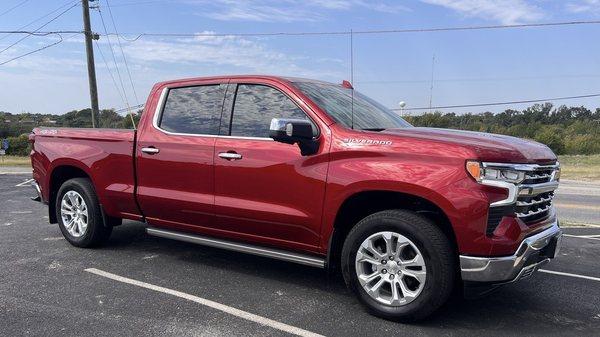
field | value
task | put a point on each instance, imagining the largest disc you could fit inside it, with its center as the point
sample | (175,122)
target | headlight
(484,172)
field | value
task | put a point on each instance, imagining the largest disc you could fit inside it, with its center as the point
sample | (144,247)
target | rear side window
(255,106)
(193,110)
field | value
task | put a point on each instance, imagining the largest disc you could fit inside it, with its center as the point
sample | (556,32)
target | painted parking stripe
(589,237)
(25,183)
(211,304)
(576,206)
(569,274)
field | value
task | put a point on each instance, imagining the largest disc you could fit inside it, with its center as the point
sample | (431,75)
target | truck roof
(264,77)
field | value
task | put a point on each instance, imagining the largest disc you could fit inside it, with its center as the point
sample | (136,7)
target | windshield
(337,102)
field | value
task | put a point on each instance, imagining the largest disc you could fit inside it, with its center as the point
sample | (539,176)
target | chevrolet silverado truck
(314,173)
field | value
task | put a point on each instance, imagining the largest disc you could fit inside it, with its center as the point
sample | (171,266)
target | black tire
(96,233)
(433,245)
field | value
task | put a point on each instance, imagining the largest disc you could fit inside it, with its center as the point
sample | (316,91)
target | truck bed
(105,155)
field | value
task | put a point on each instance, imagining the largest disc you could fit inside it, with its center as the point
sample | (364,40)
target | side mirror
(292,131)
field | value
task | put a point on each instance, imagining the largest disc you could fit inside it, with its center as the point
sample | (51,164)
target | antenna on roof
(352,77)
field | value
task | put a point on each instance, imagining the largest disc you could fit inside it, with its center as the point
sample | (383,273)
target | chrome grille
(530,200)
(534,201)
(537,177)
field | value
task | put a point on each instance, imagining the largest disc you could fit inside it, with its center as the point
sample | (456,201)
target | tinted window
(340,104)
(256,105)
(194,110)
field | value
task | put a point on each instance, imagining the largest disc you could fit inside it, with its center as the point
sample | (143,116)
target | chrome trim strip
(535,189)
(530,213)
(508,268)
(534,201)
(522,167)
(278,254)
(158,113)
(538,176)
(512,191)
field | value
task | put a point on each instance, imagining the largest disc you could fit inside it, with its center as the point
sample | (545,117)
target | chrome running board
(307,260)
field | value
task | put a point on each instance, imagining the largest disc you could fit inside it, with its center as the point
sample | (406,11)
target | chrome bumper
(533,252)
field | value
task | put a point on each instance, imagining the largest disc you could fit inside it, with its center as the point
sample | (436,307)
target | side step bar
(307,260)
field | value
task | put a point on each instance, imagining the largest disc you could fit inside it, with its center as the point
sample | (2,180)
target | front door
(266,191)
(175,156)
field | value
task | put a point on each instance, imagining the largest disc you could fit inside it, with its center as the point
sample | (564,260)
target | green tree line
(566,130)
(16,127)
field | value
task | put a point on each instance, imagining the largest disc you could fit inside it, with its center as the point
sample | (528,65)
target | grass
(580,167)
(14,161)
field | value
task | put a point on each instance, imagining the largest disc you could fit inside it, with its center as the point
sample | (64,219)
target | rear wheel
(399,264)
(79,215)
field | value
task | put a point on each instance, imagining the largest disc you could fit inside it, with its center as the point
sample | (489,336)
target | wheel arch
(59,174)
(361,204)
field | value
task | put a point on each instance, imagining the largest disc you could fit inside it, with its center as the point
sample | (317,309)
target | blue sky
(470,67)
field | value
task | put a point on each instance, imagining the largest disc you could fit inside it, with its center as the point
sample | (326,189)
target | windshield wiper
(373,129)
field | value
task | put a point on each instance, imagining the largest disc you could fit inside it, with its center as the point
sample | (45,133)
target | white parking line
(569,274)
(589,237)
(26,182)
(218,306)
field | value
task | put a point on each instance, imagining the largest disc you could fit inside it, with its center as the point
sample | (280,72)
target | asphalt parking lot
(142,285)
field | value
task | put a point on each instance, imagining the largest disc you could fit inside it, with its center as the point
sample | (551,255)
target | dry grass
(584,168)
(14,161)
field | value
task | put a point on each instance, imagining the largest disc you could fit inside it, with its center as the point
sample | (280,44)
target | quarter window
(193,110)
(256,105)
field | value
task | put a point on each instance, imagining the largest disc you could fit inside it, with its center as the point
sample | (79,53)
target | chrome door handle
(230,155)
(150,150)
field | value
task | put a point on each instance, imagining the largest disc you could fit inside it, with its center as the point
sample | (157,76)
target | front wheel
(399,264)
(79,215)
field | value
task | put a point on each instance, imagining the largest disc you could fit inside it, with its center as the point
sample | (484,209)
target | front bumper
(533,252)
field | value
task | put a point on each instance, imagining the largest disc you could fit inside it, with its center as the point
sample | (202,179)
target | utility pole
(89,48)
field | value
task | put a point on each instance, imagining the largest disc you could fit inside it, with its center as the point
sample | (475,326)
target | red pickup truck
(313,173)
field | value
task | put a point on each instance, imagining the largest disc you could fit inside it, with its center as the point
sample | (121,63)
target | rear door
(175,156)
(264,190)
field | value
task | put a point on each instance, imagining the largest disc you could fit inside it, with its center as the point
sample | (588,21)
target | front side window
(353,110)
(255,106)
(193,110)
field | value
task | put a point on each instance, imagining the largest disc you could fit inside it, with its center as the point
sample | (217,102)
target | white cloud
(505,12)
(583,6)
(287,10)
(227,52)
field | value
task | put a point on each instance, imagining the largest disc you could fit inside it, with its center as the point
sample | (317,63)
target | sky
(467,67)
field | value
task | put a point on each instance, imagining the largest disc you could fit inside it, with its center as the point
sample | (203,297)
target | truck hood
(486,146)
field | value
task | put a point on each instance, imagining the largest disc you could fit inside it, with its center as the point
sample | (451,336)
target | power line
(109,71)
(38,19)
(40,27)
(115,61)
(40,33)
(363,32)
(130,108)
(137,101)
(14,7)
(136,3)
(480,79)
(501,103)
(33,51)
